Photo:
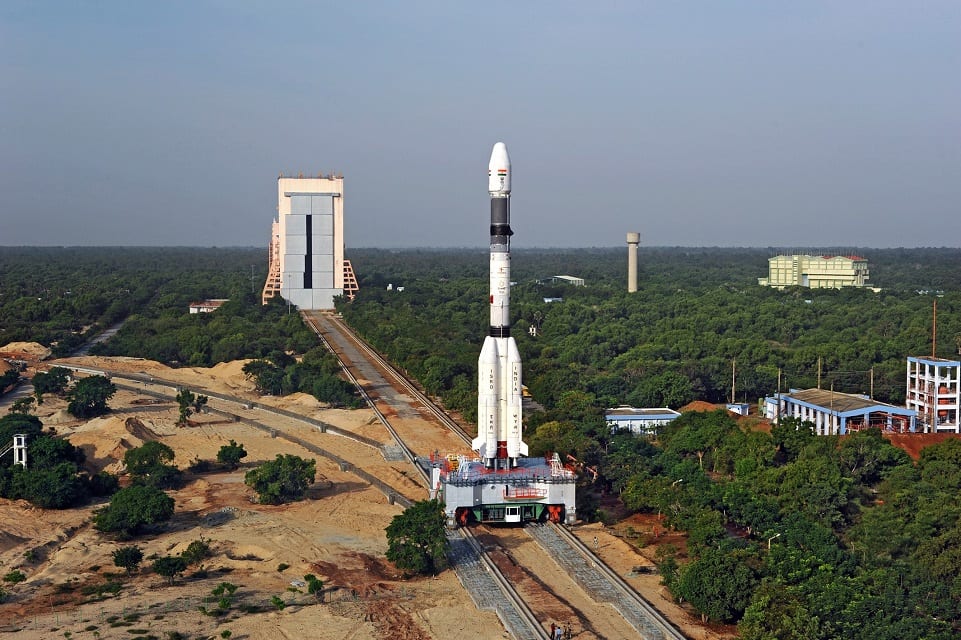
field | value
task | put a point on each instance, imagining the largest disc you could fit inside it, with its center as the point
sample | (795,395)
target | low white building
(207,306)
(641,421)
(836,413)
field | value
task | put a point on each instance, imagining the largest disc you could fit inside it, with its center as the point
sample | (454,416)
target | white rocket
(499,416)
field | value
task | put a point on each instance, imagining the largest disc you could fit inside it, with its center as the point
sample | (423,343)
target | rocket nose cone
(499,170)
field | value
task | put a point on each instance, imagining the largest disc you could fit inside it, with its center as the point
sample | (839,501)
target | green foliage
(53,381)
(169,567)
(196,551)
(89,396)
(52,480)
(127,558)
(719,583)
(103,484)
(14,423)
(147,464)
(231,454)
(281,480)
(57,487)
(278,603)
(8,378)
(315,586)
(132,509)
(416,542)
(14,577)
(23,405)
(318,373)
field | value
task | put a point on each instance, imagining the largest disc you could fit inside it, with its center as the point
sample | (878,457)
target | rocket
(499,415)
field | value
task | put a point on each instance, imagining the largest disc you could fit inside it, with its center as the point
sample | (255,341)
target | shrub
(282,480)
(132,508)
(14,577)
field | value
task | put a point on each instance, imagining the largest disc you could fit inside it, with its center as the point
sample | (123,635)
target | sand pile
(30,350)
(105,441)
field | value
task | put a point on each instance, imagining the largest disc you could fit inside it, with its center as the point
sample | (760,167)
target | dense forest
(57,295)
(696,313)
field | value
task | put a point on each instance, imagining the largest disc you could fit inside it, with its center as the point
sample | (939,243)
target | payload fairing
(499,415)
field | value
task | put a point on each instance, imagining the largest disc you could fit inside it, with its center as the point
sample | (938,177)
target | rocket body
(499,416)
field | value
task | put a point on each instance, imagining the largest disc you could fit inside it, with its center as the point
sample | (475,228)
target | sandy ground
(336,534)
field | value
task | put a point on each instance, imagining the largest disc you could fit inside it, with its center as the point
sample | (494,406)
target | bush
(88,398)
(128,558)
(231,454)
(169,567)
(14,577)
(133,508)
(282,480)
(196,551)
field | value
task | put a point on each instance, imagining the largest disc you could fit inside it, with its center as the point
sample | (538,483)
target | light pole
(776,535)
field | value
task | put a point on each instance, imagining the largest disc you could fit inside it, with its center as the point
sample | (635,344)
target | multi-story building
(307,265)
(816,272)
(835,413)
(933,390)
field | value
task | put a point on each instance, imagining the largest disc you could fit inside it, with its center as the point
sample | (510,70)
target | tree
(88,398)
(57,487)
(127,558)
(416,541)
(185,398)
(147,465)
(133,508)
(189,401)
(23,405)
(282,480)
(169,567)
(141,460)
(231,454)
(53,381)
(196,551)
(719,583)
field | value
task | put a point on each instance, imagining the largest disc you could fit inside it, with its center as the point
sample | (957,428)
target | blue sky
(695,123)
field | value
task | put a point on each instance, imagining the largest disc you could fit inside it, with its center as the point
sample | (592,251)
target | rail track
(558,545)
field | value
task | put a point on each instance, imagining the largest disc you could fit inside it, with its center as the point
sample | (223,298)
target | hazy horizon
(738,125)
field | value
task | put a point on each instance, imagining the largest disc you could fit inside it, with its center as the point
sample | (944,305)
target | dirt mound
(25,350)
(8,541)
(913,443)
(5,366)
(106,440)
(700,405)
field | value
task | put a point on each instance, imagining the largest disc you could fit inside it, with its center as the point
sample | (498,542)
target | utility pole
(777,411)
(733,377)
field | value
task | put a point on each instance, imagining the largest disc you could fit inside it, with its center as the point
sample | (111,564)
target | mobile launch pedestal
(501,484)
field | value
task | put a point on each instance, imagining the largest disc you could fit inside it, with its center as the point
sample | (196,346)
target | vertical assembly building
(816,272)
(307,265)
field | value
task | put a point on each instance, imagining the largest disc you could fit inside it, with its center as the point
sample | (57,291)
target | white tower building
(310,241)
(633,239)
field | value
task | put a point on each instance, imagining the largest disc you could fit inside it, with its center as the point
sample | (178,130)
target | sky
(762,124)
